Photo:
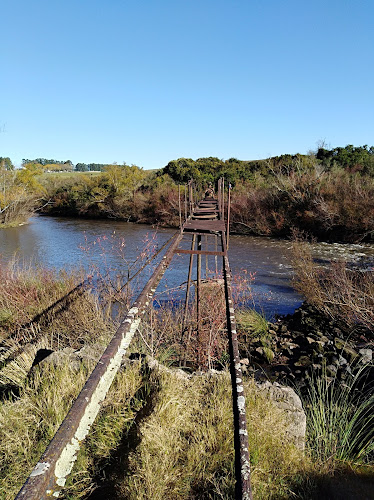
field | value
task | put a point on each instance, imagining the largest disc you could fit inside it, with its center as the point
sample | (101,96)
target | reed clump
(340,420)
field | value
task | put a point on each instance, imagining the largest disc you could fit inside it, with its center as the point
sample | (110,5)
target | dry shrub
(166,336)
(163,205)
(346,206)
(329,205)
(25,291)
(345,295)
(35,314)
(19,210)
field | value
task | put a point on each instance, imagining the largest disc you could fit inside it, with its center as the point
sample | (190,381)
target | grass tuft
(340,420)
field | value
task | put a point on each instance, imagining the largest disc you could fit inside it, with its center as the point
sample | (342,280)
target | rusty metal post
(228,216)
(49,475)
(198,282)
(216,258)
(223,198)
(190,195)
(206,258)
(185,202)
(243,488)
(180,207)
(219,197)
(188,284)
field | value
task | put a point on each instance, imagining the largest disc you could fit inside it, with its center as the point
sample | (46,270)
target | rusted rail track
(49,475)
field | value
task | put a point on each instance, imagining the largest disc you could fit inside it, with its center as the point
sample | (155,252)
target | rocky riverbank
(304,344)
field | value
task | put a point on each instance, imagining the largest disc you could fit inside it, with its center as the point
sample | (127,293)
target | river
(64,243)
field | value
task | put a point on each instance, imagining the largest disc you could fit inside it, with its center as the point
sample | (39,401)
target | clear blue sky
(147,81)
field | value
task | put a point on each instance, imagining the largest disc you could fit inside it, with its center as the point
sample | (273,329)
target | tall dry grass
(28,423)
(340,420)
(332,205)
(343,294)
(35,314)
(186,444)
(25,291)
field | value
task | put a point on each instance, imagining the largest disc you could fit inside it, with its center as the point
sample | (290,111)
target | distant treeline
(354,159)
(53,165)
(44,162)
(328,194)
(203,170)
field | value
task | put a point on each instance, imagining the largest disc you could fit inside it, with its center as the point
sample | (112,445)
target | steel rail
(243,488)
(49,475)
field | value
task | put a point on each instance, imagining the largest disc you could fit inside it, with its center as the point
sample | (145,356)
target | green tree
(81,167)
(6,163)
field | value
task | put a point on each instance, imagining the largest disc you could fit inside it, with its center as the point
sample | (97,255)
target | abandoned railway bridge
(204,231)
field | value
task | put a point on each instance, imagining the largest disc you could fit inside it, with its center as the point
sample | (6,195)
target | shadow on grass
(343,485)
(116,466)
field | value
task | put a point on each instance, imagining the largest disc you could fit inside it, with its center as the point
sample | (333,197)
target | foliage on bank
(270,197)
(328,194)
(20,192)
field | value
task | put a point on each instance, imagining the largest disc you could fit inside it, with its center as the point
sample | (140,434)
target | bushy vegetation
(120,192)
(343,294)
(340,420)
(351,158)
(329,193)
(20,192)
(330,197)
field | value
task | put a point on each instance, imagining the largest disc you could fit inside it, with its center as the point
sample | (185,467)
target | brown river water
(112,246)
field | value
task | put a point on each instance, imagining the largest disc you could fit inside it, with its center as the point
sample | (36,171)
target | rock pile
(306,342)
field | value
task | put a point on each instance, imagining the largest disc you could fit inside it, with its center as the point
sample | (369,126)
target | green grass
(340,420)
(251,322)
(254,327)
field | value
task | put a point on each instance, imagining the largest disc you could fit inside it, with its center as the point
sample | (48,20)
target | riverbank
(302,346)
(332,333)
(64,345)
(329,195)
(271,197)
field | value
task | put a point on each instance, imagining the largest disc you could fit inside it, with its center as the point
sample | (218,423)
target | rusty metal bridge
(204,229)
